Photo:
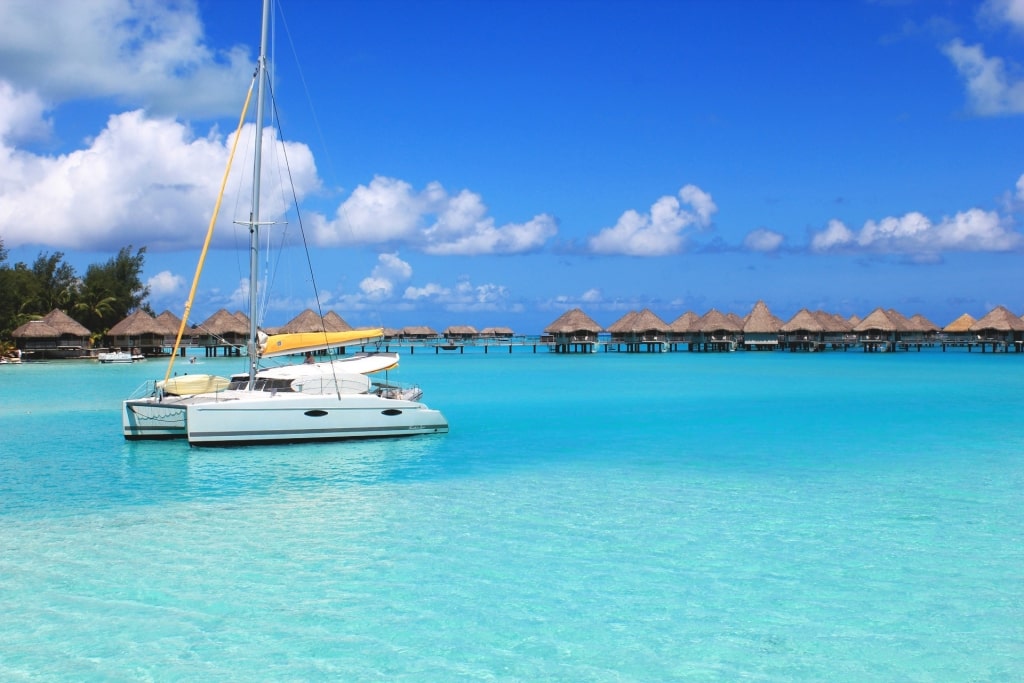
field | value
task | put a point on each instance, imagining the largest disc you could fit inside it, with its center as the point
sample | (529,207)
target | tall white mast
(254,214)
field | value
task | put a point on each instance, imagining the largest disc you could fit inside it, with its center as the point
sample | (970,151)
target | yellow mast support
(209,234)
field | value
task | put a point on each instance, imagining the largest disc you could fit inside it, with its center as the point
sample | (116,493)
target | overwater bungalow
(926,327)
(1000,329)
(55,335)
(419,333)
(877,332)
(838,332)
(504,333)
(639,331)
(140,331)
(223,331)
(460,333)
(680,331)
(716,332)
(573,332)
(310,321)
(803,332)
(958,332)
(171,324)
(761,329)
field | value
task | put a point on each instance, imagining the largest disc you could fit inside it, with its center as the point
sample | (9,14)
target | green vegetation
(107,292)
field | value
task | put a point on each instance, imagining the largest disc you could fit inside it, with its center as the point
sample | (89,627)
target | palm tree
(93,307)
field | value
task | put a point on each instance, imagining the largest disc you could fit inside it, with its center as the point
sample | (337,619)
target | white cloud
(592,295)
(140,176)
(659,232)
(150,54)
(763,239)
(389,271)
(1020,188)
(916,235)
(990,89)
(390,210)
(238,299)
(1006,11)
(22,115)
(464,296)
(835,235)
(164,284)
(429,291)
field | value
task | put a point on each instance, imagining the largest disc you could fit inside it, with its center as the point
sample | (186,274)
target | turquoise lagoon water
(613,517)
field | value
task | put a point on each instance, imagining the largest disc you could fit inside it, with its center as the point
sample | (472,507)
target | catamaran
(318,401)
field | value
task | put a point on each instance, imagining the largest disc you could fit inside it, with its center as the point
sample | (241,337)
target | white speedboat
(115,357)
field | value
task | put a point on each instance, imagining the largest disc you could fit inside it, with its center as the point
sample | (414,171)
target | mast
(254,214)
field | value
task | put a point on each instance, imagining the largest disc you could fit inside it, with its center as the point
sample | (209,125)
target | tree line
(106,294)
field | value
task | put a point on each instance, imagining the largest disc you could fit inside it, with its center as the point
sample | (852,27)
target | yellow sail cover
(302,342)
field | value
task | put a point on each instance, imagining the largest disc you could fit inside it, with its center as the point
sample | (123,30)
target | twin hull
(243,417)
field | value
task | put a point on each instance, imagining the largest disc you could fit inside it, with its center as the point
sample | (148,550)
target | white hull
(243,417)
(148,419)
(158,417)
(259,417)
(115,357)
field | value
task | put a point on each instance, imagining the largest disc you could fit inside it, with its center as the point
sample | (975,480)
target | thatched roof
(853,320)
(623,324)
(902,322)
(459,330)
(54,324)
(222,322)
(137,324)
(716,321)
(335,323)
(392,332)
(923,324)
(999,319)
(418,331)
(961,324)
(684,323)
(310,321)
(833,322)
(496,332)
(170,322)
(761,321)
(573,321)
(803,321)
(877,320)
(639,321)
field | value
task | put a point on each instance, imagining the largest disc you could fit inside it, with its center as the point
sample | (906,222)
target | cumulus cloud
(1010,12)
(149,54)
(22,115)
(916,235)
(464,296)
(390,210)
(138,175)
(389,271)
(428,291)
(660,231)
(763,239)
(991,90)
(164,284)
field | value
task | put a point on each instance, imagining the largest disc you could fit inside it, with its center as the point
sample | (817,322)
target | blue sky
(496,163)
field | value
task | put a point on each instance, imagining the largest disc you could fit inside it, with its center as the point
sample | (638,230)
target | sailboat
(318,401)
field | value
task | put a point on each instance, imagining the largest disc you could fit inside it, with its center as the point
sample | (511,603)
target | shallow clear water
(613,517)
